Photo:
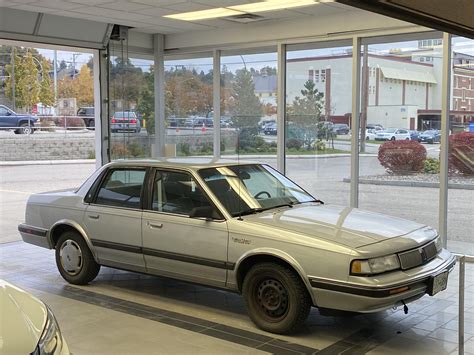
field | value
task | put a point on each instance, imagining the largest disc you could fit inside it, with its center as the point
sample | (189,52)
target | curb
(412,184)
(46,162)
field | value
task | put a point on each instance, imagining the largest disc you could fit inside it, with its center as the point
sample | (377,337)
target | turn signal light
(399,290)
(114,120)
(133,121)
(356,267)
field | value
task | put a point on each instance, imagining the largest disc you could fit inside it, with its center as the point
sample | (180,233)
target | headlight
(375,265)
(51,341)
(438,243)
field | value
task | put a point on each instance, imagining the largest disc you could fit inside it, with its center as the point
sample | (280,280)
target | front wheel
(74,260)
(392,139)
(276,299)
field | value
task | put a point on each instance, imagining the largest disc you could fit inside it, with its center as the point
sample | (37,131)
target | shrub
(70,122)
(294,143)
(47,125)
(431,166)
(319,145)
(183,148)
(461,153)
(402,156)
(135,150)
(119,150)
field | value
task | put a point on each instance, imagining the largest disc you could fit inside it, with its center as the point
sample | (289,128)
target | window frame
(149,188)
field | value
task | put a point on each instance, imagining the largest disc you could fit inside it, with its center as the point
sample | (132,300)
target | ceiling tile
(157,11)
(57,4)
(90,2)
(99,11)
(189,6)
(224,3)
(124,5)
(159,2)
(33,8)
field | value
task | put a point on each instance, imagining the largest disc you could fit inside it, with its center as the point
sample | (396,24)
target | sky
(256,61)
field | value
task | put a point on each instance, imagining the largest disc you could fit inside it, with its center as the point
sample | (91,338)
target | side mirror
(207,212)
(9,113)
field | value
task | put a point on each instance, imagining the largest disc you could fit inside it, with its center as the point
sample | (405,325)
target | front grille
(417,257)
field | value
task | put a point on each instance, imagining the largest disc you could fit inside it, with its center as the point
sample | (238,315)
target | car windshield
(429,132)
(245,189)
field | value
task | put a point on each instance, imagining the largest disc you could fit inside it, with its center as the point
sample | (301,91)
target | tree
(27,84)
(82,87)
(62,65)
(305,113)
(46,94)
(146,103)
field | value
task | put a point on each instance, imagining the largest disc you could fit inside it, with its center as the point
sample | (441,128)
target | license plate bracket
(438,283)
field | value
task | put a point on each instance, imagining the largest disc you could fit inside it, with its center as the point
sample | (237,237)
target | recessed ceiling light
(262,6)
(272,5)
(204,14)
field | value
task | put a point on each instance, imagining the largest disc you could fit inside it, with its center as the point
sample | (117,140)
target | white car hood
(343,225)
(23,317)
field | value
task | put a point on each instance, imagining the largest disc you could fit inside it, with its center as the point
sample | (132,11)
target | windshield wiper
(260,209)
(276,206)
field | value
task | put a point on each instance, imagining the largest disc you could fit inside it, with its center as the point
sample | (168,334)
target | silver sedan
(241,227)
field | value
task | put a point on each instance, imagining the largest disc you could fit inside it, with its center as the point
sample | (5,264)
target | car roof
(189,163)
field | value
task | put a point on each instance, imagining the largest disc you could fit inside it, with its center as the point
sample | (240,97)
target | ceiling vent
(245,18)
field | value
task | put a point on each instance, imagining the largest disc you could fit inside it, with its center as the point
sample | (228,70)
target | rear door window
(122,188)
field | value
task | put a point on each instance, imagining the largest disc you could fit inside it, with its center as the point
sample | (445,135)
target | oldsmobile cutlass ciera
(242,227)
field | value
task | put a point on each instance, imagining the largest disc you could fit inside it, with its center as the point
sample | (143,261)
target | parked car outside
(19,123)
(414,134)
(431,136)
(392,134)
(374,126)
(125,121)
(369,134)
(340,128)
(88,116)
(242,227)
(270,129)
(28,325)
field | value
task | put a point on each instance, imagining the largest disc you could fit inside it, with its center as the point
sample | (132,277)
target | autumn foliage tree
(81,87)
(32,82)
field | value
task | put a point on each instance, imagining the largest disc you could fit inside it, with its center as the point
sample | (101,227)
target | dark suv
(20,123)
(88,115)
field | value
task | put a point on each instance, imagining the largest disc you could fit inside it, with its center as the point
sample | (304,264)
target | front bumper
(376,293)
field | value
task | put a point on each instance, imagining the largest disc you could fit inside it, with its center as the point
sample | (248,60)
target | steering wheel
(262,193)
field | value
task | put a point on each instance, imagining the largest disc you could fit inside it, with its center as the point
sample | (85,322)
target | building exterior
(403,87)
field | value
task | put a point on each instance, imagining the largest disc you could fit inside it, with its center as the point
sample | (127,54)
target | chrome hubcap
(272,298)
(27,130)
(71,257)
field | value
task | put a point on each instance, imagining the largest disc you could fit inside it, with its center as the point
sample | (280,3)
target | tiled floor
(128,313)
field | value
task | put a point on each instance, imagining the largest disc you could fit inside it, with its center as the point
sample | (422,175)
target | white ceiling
(146,15)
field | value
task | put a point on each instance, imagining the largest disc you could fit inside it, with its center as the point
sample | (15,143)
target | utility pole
(74,55)
(55,76)
(13,78)
(365,97)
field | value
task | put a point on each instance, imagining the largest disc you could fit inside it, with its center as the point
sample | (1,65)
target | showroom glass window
(249,104)
(131,90)
(398,172)
(318,112)
(461,148)
(189,106)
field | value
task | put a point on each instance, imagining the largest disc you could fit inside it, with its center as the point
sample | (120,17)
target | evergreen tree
(62,65)
(305,113)
(246,110)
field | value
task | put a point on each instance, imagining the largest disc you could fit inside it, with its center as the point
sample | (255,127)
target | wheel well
(24,121)
(59,230)
(247,264)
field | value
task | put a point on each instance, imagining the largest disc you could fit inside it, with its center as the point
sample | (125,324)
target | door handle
(94,216)
(154,225)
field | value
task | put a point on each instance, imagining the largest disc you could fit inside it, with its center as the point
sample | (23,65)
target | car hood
(23,319)
(343,225)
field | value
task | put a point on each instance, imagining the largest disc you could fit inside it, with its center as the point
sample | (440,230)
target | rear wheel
(392,139)
(277,300)
(74,260)
(91,124)
(25,128)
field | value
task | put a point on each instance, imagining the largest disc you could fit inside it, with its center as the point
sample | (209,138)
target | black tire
(392,139)
(26,128)
(91,124)
(80,270)
(277,301)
